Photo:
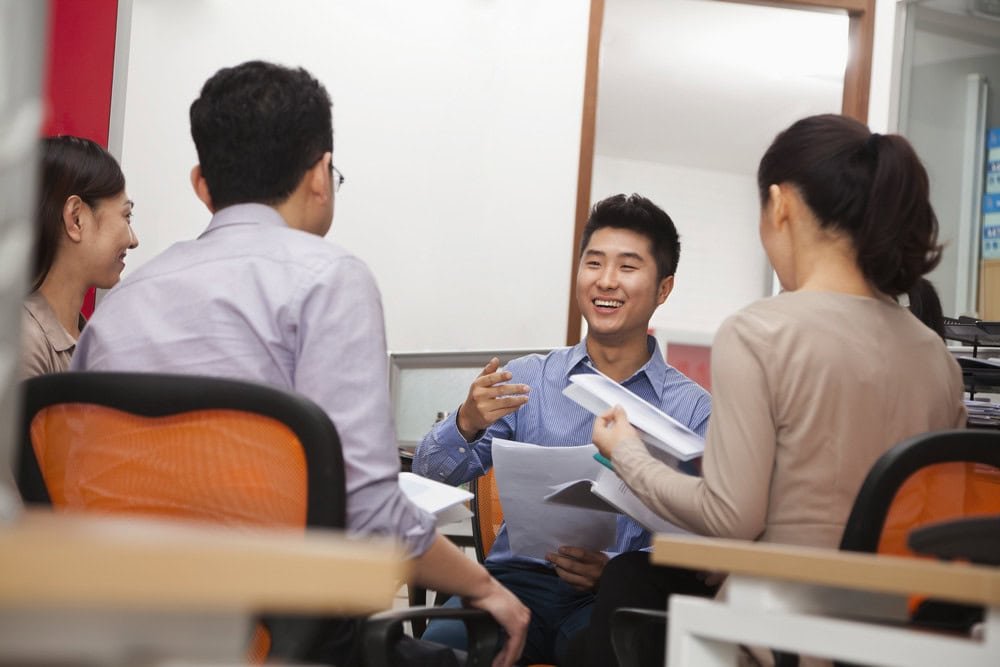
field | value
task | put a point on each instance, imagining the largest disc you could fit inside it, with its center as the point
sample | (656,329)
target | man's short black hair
(258,128)
(638,214)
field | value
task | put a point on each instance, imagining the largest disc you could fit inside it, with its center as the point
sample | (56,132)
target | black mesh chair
(927,479)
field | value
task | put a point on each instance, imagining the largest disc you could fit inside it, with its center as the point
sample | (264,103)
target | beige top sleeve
(36,354)
(45,346)
(731,498)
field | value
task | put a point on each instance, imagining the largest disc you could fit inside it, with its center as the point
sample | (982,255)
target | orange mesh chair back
(927,479)
(210,449)
(225,466)
(487,513)
(487,516)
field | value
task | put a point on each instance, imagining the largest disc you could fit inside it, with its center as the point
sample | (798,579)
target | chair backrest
(487,513)
(184,446)
(929,478)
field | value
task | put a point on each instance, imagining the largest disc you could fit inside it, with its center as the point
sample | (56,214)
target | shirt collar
(42,312)
(655,369)
(244,214)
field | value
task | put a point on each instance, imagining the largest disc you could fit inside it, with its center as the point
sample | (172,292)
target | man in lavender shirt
(260,296)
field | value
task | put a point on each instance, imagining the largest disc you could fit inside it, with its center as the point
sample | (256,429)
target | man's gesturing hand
(489,400)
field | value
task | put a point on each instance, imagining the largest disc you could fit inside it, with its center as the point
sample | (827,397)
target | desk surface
(860,571)
(71,561)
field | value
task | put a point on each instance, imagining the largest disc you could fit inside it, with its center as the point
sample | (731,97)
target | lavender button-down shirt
(253,299)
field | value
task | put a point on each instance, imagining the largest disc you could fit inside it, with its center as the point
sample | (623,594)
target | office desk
(824,603)
(110,590)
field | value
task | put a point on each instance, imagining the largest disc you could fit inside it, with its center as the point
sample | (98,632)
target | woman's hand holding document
(666,438)
(525,475)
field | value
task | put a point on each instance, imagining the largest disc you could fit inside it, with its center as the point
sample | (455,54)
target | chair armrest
(976,539)
(383,630)
(631,627)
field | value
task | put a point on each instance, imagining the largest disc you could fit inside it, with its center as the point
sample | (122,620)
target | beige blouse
(46,347)
(809,388)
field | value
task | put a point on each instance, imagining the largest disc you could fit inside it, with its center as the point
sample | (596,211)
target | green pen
(603,460)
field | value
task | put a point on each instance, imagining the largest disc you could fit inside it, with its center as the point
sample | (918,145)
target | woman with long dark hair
(83,231)
(811,386)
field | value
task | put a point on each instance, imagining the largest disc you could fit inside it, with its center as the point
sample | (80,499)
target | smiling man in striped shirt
(628,258)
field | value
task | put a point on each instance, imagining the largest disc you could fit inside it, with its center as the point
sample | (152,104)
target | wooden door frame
(857,81)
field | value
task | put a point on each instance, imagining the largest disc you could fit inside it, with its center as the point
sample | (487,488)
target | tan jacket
(809,389)
(46,347)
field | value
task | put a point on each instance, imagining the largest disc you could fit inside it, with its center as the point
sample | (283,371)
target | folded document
(446,503)
(661,432)
(608,493)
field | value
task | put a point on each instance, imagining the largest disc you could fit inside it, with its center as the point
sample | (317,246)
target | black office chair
(211,449)
(934,477)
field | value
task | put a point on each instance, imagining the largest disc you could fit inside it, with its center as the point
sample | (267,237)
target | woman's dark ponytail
(871,186)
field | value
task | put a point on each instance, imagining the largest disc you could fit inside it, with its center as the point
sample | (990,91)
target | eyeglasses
(338,178)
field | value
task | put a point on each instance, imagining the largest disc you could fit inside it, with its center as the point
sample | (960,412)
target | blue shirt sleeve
(445,456)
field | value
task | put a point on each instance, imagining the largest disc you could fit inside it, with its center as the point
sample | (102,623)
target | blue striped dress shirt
(549,418)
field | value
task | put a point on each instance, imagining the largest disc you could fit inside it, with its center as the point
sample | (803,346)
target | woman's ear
(72,209)
(778,203)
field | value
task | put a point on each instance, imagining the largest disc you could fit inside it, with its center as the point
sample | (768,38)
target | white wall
(722,265)
(456,123)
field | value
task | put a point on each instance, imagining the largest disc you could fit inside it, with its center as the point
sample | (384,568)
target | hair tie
(871,144)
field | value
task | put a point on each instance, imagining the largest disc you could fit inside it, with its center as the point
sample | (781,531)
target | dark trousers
(630,580)
(558,612)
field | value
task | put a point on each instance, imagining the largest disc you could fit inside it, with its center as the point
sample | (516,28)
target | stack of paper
(446,503)
(599,393)
(525,475)
(983,413)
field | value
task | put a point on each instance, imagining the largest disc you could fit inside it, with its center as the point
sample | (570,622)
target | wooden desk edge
(957,582)
(73,561)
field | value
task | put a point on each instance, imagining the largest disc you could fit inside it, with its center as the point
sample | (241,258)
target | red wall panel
(79,69)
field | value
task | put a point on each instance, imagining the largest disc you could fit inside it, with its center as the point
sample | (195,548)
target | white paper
(612,488)
(608,493)
(525,475)
(443,501)
(580,493)
(599,393)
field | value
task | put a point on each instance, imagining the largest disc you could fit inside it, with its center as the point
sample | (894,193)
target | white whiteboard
(456,124)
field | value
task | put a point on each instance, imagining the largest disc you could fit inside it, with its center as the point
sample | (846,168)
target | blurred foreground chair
(210,449)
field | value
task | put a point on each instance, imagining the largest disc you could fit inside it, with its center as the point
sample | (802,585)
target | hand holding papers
(443,501)
(525,475)
(661,432)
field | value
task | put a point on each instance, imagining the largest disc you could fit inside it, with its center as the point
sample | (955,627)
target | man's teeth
(608,303)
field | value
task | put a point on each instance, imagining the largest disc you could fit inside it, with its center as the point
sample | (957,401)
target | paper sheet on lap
(527,473)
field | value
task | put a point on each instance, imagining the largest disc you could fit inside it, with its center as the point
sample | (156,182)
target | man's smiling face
(617,288)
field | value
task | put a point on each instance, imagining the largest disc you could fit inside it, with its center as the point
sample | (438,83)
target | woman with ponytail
(811,386)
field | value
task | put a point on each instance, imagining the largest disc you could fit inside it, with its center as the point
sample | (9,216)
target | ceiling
(707,84)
